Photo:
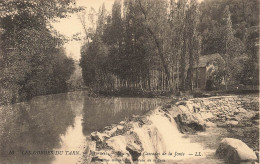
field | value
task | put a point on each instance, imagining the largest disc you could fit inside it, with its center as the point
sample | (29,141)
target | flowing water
(163,137)
(56,128)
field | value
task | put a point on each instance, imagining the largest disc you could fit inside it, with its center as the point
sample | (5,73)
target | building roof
(205,59)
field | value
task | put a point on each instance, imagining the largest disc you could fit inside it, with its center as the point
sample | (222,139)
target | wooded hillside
(155,45)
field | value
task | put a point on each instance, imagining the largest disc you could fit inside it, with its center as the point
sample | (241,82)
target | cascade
(162,140)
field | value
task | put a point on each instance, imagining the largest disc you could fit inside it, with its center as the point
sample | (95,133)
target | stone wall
(224,108)
(227,102)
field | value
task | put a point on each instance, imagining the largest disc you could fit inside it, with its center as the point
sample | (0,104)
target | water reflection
(98,113)
(60,122)
(34,126)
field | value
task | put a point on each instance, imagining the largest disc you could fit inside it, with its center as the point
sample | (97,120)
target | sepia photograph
(129,81)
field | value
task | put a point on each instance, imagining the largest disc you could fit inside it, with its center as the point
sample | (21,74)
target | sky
(71,25)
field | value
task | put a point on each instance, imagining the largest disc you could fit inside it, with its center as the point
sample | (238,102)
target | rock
(174,111)
(227,123)
(122,123)
(234,150)
(166,106)
(210,124)
(100,157)
(193,107)
(236,113)
(190,123)
(228,117)
(145,120)
(234,118)
(91,146)
(206,115)
(112,131)
(232,122)
(242,110)
(238,117)
(206,102)
(120,127)
(236,110)
(196,126)
(257,154)
(189,105)
(183,108)
(256,122)
(226,108)
(99,137)
(181,103)
(135,150)
(117,143)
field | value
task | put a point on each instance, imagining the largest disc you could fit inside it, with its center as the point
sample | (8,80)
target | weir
(163,134)
(163,140)
(153,139)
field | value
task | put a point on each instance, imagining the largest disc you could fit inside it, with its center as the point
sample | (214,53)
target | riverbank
(128,92)
(171,129)
(132,92)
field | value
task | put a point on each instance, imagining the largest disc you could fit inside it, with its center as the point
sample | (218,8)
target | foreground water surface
(56,128)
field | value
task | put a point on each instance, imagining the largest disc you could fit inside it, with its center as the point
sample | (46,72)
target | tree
(155,17)
(94,54)
(193,40)
(31,49)
(156,44)
(233,46)
(177,24)
(244,20)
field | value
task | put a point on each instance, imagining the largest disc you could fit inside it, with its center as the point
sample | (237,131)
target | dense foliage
(156,44)
(32,61)
(231,28)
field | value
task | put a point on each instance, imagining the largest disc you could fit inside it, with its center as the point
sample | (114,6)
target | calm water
(49,128)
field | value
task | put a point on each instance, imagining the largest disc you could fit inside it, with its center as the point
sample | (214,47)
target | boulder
(101,158)
(122,123)
(174,111)
(190,106)
(188,123)
(91,146)
(111,132)
(206,115)
(117,143)
(232,122)
(184,109)
(242,110)
(210,124)
(99,137)
(120,127)
(134,149)
(234,150)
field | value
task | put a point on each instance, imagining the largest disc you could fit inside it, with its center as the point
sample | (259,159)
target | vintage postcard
(129,81)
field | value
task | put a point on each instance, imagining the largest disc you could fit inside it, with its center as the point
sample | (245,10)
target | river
(56,128)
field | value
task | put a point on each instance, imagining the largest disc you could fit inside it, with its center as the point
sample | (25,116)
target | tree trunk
(160,53)
(226,82)
(157,43)
(183,65)
(197,77)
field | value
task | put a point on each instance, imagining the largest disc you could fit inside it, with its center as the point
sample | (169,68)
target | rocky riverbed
(164,134)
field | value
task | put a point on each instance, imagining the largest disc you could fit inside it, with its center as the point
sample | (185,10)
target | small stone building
(204,69)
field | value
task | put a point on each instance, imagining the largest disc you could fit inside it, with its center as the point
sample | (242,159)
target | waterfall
(154,138)
(162,140)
